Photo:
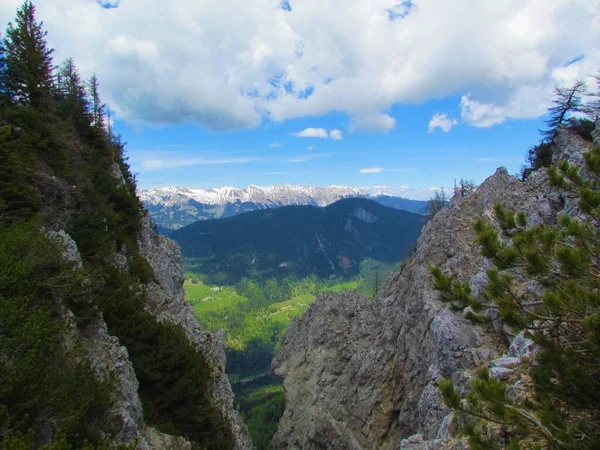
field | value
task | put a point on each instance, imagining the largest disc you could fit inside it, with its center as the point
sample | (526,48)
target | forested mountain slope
(175,207)
(300,240)
(97,348)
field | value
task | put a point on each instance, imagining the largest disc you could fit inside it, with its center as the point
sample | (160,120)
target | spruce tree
(3,92)
(98,108)
(28,77)
(73,94)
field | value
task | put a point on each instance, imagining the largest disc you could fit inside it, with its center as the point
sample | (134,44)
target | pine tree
(566,100)
(28,77)
(3,92)
(72,90)
(98,108)
(562,315)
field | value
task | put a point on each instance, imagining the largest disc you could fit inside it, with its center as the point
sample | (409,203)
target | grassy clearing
(284,312)
(341,287)
(205,298)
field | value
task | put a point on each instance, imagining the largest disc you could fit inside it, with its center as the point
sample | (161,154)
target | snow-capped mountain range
(176,207)
(278,195)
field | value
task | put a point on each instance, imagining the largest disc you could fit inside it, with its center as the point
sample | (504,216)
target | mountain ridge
(175,207)
(300,239)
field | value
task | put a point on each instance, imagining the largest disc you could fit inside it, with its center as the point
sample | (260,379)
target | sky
(391,96)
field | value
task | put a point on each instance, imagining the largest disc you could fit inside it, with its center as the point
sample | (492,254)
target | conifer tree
(3,93)
(98,108)
(73,92)
(555,297)
(28,77)
(566,100)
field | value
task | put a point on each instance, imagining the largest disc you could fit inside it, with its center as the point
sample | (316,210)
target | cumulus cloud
(376,122)
(336,135)
(441,121)
(312,133)
(275,144)
(371,170)
(190,61)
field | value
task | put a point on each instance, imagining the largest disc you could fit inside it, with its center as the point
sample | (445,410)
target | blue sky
(416,93)
(412,160)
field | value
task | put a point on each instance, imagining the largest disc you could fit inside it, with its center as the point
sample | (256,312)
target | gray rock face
(166,303)
(70,252)
(111,363)
(362,373)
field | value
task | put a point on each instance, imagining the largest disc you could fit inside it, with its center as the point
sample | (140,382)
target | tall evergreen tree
(75,103)
(28,77)
(98,108)
(3,93)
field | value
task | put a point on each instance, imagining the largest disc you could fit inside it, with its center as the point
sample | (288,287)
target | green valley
(255,314)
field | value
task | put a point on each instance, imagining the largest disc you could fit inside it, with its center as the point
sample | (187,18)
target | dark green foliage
(59,169)
(538,156)
(583,127)
(262,403)
(302,240)
(27,76)
(98,108)
(46,387)
(174,377)
(558,303)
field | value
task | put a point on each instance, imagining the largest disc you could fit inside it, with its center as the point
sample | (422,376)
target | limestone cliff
(166,303)
(110,360)
(362,373)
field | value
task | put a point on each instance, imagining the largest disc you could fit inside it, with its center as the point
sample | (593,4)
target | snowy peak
(175,207)
(277,195)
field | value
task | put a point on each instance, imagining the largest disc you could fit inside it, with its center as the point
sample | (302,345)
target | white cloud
(371,170)
(275,144)
(152,164)
(336,135)
(190,61)
(377,123)
(310,147)
(480,115)
(312,133)
(306,158)
(441,121)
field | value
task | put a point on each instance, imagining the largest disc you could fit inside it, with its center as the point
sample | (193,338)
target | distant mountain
(416,206)
(300,240)
(176,207)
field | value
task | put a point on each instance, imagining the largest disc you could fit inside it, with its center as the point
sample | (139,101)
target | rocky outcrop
(110,361)
(165,301)
(362,373)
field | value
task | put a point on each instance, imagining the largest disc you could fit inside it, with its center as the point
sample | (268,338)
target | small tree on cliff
(566,100)
(436,203)
(555,296)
